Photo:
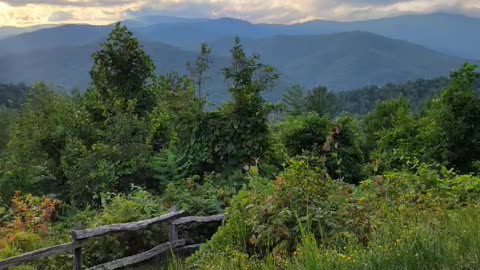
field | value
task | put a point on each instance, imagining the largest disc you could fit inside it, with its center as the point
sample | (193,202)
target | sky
(34,12)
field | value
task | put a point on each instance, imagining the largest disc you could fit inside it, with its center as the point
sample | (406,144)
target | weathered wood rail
(79,237)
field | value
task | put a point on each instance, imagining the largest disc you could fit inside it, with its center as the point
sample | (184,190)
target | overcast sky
(30,12)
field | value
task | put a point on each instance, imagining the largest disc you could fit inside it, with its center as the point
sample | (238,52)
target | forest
(375,178)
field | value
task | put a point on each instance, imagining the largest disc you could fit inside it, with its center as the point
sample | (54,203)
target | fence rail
(79,238)
(131,260)
(123,227)
(38,254)
(185,220)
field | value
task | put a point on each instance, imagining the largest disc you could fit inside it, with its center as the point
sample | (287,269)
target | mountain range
(448,33)
(339,55)
(8,31)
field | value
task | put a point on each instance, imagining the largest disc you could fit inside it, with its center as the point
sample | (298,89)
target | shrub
(269,216)
(138,205)
(26,224)
(207,196)
(427,188)
(315,137)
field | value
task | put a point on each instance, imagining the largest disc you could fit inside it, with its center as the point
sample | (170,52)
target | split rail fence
(79,238)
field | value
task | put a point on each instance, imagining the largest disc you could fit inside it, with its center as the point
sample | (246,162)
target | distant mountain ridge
(9,31)
(56,37)
(340,61)
(344,61)
(310,54)
(449,33)
(456,35)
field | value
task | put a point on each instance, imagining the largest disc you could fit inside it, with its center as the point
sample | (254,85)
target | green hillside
(339,61)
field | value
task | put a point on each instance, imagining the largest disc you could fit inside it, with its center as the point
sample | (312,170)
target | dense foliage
(237,133)
(317,100)
(11,95)
(362,101)
(302,186)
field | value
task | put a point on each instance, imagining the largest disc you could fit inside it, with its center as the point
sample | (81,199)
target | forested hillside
(339,55)
(55,37)
(391,184)
(12,95)
(362,101)
(451,34)
(341,62)
(9,31)
(448,33)
(349,60)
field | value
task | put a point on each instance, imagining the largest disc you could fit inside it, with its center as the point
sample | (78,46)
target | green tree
(81,146)
(33,157)
(321,101)
(248,77)
(237,134)
(362,101)
(121,70)
(118,157)
(335,145)
(302,133)
(198,69)
(7,118)
(176,107)
(12,95)
(383,117)
(391,132)
(318,100)
(451,124)
(346,160)
(294,100)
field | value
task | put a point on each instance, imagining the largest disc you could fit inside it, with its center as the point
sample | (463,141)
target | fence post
(172,233)
(77,252)
(77,259)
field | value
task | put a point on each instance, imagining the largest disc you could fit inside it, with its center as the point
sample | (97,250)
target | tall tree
(7,118)
(321,101)
(294,100)
(318,100)
(199,68)
(383,117)
(33,160)
(248,78)
(236,134)
(452,123)
(121,70)
(391,136)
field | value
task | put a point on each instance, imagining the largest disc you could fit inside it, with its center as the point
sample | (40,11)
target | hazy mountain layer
(339,61)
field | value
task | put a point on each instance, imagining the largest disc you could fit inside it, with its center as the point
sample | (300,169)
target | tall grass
(443,240)
(409,239)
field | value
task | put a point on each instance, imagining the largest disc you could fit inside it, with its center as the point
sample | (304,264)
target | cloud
(60,16)
(27,12)
(80,3)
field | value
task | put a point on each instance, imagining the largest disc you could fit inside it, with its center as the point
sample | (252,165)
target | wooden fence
(79,237)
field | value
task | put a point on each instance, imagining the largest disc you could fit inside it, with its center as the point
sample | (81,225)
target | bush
(315,137)
(207,196)
(269,216)
(440,240)
(26,224)
(427,188)
(400,220)
(138,205)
